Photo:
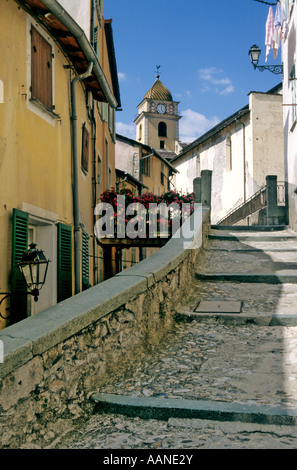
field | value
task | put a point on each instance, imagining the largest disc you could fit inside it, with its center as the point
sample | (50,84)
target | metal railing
(250,206)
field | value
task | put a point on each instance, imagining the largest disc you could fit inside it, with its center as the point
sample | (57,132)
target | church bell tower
(157,123)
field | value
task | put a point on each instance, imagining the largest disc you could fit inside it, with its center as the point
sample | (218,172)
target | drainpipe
(77,245)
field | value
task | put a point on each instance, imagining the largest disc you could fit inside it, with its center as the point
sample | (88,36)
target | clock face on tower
(161,108)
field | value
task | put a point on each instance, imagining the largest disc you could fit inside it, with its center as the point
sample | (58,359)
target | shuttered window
(64,287)
(41,70)
(18,303)
(85,148)
(85,261)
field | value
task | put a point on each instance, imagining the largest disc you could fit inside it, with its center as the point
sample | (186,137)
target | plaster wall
(267,137)
(289,57)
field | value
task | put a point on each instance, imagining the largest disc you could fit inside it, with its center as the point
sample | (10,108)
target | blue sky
(202,47)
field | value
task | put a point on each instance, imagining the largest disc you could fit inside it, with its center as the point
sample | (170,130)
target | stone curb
(253,228)
(163,409)
(277,319)
(258,238)
(277,278)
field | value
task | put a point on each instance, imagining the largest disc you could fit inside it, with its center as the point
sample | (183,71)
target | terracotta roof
(159,92)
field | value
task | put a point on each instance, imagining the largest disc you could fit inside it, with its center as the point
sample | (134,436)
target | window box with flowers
(146,220)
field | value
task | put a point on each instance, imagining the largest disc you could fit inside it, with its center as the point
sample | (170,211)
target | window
(96,42)
(106,163)
(109,176)
(41,70)
(85,261)
(104,112)
(64,265)
(293,94)
(85,148)
(99,177)
(145,166)
(162,129)
(162,173)
(162,144)
(1,92)
(228,154)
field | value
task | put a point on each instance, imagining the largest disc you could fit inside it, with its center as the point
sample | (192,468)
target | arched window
(162,129)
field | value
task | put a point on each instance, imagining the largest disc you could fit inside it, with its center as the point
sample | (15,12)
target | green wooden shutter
(64,287)
(18,303)
(85,261)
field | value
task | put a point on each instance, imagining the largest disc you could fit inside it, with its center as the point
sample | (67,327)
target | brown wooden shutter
(85,148)
(41,70)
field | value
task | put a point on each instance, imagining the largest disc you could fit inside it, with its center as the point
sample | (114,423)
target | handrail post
(271,200)
(197,189)
(206,176)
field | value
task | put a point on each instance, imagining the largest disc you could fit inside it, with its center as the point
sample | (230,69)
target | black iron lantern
(34,266)
(254,54)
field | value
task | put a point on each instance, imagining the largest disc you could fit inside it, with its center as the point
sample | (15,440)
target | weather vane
(157,71)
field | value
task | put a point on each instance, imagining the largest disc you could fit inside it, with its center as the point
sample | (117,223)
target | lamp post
(255,53)
(33,267)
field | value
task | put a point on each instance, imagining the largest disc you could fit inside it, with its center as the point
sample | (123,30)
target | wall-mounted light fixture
(33,267)
(254,54)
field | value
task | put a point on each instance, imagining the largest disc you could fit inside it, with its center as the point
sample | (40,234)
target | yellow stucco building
(58,96)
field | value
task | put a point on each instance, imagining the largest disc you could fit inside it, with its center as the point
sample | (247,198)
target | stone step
(235,319)
(289,277)
(253,228)
(252,236)
(166,408)
(260,303)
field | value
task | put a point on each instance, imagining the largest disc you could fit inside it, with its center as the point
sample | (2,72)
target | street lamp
(255,53)
(34,266)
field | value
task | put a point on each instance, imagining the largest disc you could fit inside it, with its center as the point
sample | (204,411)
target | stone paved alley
(219,379)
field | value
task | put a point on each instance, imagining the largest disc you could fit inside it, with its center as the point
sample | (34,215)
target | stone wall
(56,359)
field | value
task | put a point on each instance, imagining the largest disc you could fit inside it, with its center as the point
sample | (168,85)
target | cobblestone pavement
(216,357)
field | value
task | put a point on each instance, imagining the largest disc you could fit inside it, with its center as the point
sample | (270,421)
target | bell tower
(157,123)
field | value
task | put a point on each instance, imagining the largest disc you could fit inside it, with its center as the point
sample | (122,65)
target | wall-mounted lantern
(255,53)
(34,267)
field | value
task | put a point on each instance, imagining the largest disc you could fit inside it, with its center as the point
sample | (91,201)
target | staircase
(226,376)
(256,266)
(244,307)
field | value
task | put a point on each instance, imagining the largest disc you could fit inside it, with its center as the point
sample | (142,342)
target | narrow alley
(225,377)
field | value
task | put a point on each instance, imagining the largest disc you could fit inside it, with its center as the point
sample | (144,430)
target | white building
(240,151)
(289,55)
